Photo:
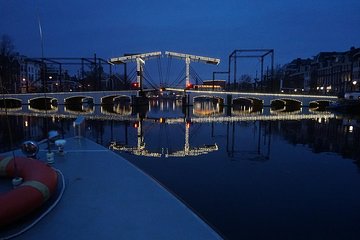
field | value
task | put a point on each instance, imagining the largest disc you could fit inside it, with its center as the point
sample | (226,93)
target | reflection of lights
(52,109)
(284,111)
(123,109)
(84,111)
(161,106)
(26,123)
(351,129)
(245,111)
(11,109)
(188,125)
(136,124)
(134,150)
(206,108)
(196,151)
(239,117)
(253,94)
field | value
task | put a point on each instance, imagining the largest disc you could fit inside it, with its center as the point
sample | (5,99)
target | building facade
(327,73)
(30,74)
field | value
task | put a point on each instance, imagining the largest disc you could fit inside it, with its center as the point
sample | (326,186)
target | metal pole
(95,69)
(139,73)
(82,73)
(272,70)
(111,78)
(60,82)
(100,75)
(262,74)
(213,81)
(229,69)
(125,74)
(187,63)
(235,87)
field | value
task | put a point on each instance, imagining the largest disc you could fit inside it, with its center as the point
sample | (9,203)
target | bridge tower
(192,58)
(140,62)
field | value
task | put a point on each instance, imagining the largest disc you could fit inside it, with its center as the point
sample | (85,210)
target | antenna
(49,154)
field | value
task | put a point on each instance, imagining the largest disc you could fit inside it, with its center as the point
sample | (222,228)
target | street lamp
(354,85)
(26,84)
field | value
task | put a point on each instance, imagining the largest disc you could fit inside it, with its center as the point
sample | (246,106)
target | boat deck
(106,197)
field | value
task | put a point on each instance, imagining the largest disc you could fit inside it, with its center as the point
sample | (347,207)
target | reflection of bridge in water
(140,149)
(203,113)
(199,114)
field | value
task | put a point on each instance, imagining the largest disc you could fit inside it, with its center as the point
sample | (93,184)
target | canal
(256,174)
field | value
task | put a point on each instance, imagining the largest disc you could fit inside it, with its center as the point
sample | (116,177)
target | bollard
(79,127)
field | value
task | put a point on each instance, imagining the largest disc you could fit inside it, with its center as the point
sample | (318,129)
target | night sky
(209,28)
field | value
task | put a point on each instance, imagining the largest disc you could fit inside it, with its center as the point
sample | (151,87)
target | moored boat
(349,104)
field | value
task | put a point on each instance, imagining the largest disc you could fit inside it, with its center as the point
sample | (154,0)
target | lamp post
(26,85)
(354,85)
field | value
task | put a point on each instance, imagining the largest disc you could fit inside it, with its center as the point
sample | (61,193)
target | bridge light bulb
(351,129)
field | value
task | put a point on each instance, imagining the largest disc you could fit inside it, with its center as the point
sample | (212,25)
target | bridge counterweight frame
(265,52)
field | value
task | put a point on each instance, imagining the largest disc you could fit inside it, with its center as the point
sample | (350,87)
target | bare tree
(9,66)
(245,82)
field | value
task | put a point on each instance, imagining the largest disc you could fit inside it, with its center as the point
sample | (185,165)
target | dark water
(249,179)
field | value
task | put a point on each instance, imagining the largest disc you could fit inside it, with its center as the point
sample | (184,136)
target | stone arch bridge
(263,99)
(63,98)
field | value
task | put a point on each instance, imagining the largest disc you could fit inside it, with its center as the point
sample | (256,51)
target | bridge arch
(320,104)
(43,103)
(205,105)
(246,105)
(78,100)
(209,98)
(10,103)
(286,104)
(112,99)
(247,101)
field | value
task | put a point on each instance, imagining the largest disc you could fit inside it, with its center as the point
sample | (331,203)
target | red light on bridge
(135,85)
(189,85)
(136,124)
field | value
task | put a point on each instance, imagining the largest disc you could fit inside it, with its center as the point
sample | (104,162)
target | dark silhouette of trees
(9,65)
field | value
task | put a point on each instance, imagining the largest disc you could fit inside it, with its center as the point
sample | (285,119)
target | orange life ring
(40,182)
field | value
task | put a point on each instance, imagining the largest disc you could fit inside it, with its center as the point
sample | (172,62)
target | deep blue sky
(210,28)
